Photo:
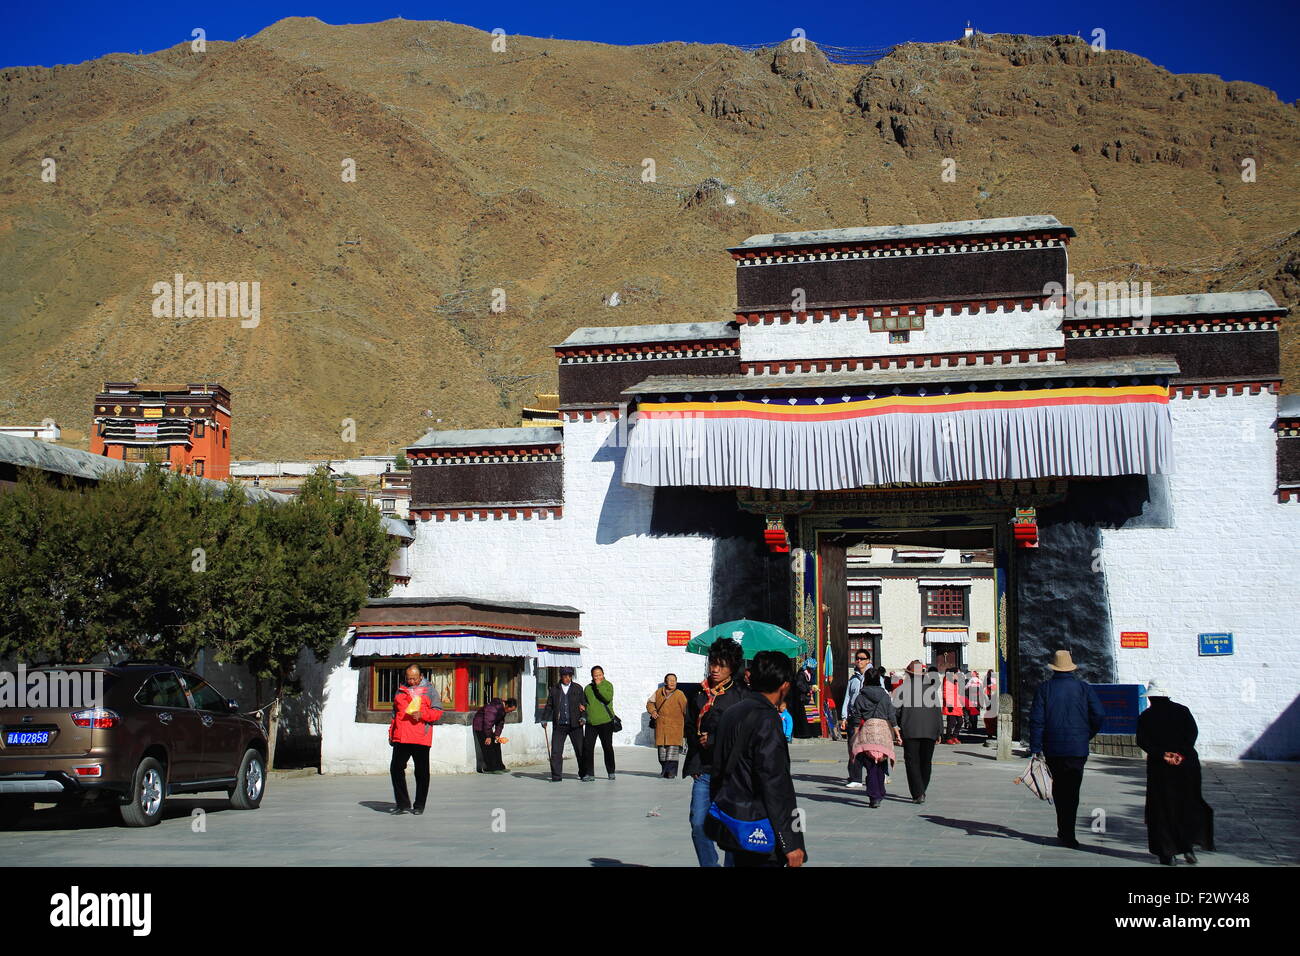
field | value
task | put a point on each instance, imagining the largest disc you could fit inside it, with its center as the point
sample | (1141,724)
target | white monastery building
(905,438)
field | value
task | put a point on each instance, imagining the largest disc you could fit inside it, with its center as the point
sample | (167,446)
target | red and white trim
(610,414)
(912,361)
(1208,390)
(859,313)
(490,513)
(485,456)
(885,249)
(650,351)
(1084,328)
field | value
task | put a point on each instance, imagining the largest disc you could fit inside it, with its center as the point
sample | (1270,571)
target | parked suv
(158,730)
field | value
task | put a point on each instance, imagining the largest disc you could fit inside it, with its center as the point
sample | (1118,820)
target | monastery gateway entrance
(926,572)
(900,501)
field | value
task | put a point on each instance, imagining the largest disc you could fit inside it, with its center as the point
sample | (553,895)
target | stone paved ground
(975,815)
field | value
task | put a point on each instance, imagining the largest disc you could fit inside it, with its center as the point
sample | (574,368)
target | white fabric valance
(830,444)
(943,582)
(556,657)
(946,635)
(407,645)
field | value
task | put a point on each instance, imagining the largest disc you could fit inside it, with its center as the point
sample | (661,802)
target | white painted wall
(351,747)
(981,331)
(631,588)
(48,431)
(370,465)
(1229,563)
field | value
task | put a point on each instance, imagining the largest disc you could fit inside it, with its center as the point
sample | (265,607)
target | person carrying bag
(753,811)
(743,824)
(602,725)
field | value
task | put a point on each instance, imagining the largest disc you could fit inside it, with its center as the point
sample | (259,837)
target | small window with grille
(864,606)
(945,605)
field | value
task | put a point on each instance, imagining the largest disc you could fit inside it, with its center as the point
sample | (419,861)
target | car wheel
(251,782)
(12,811)
(144,806)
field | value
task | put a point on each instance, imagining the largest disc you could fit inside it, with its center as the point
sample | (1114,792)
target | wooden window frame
(874,617)
(940,620)
(460,666)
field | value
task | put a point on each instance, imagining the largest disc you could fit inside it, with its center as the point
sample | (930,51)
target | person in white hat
(1066,715)
(1177,816)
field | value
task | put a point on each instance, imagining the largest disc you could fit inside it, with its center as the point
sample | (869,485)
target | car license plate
(26,738)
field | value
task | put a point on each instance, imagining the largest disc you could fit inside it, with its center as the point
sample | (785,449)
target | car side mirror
(233,705)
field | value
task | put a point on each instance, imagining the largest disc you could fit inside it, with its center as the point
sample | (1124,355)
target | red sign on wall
(679,638)
(1133,639)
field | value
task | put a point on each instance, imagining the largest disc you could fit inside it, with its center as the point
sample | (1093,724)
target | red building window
(945,604)
(863,604)
(859,642)
(462,685)
(198,467)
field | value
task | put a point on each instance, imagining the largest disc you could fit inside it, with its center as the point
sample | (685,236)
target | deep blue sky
(1243,40)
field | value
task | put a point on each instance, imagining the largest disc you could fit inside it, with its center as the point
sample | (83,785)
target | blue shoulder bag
(752,836)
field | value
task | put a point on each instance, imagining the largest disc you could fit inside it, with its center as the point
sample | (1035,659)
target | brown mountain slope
(522,171)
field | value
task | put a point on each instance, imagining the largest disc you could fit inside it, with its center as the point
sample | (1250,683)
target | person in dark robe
(1177,816)
(800,694)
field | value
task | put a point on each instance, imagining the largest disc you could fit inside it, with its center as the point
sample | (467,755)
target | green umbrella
(754,636)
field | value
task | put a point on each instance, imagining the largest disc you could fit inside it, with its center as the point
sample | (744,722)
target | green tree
(330,553)
(156,565)
(86,570)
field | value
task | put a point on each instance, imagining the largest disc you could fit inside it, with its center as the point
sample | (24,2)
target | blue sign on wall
(1123,703)
(1215,645)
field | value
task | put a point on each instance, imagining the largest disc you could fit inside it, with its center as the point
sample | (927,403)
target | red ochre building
(184,427)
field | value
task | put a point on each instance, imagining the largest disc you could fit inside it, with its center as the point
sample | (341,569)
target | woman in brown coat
(667,709)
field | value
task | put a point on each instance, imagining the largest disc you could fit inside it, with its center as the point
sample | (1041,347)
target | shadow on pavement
(834,796)
(379,806)
(980,752)
(978,828)
(606,861)
(103,817)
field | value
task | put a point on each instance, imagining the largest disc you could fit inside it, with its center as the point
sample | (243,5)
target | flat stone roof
(1201,303)
(487,437)
(644,334)
(928,230)
(399,529)
(44,456)
(705,384)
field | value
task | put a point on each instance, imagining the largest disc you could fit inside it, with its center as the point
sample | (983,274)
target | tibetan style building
(183,427)
(905,438)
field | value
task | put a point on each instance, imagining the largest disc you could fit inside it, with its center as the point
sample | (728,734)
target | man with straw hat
(1067,713)
(920,720)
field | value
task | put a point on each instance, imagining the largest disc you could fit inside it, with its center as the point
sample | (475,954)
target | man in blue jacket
(1067,713)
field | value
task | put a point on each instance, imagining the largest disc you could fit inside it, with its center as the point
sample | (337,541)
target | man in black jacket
(920,719)
(751,766)
(565,707)
(722,690)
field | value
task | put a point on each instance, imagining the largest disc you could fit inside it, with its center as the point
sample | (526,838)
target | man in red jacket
(411,736)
